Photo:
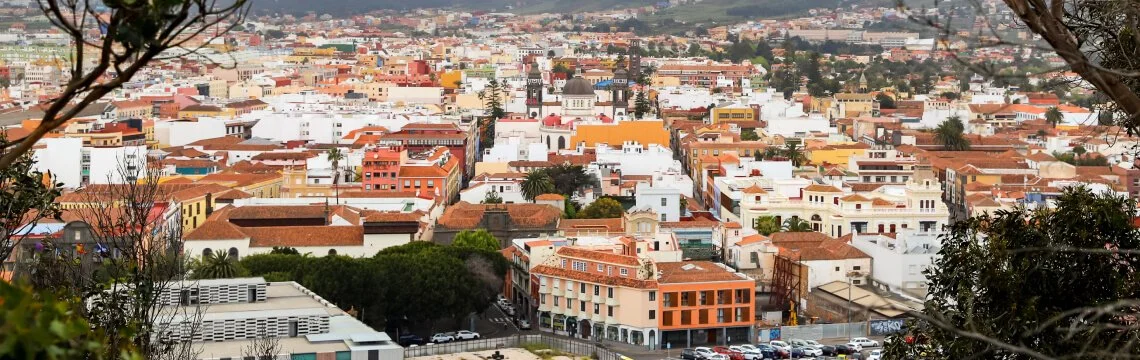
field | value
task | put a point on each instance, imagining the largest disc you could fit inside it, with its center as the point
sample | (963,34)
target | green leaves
(478,240)
(604,208)
(41,326)
(1055,282)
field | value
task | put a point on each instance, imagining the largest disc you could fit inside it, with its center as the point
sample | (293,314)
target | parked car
(443,338)
(690,354)
(750,352)
(855,346)
(716,356)
(410,339)
(780,344)
(769,351)
(843,349)
(828,350)
(796,352)
(876,355)
(466,335)
(732,355)
(523,324)
(704,352)
(813,343)
(865,342)
(797,342)
(509,310)
(503,303)
(810,351)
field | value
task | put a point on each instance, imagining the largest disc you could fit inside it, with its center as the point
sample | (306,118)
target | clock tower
(534,92)
(635,60)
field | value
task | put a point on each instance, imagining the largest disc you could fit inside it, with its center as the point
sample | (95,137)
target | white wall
(823,271)
(179,133)
(105,163)
(650,196)
(61,156)
(895,267)
(633,159)
(511,192)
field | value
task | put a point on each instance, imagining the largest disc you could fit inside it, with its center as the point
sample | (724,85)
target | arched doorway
(207,252)
(652,339)
(561,142)
(816,222)
(233,253)
(585,329)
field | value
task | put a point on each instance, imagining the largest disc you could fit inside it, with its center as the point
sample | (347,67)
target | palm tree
(794,154)
(335,156)
(795,224)
(536,183)
(950,134)
(1054,116)
(217,265)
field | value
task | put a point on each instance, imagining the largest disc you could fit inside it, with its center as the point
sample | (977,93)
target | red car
(732,355)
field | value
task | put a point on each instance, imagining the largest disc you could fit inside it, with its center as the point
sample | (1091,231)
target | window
(417,183)
(624,272)
(597,309)
(652,296)
(582,288)
(579,265)
(610,311)
(597,290)
(563,263)
(662,217)
(610,293)
(652,314)
(856,268)
(836,268)
(407,183)
(600,268)
(581,306)
(569,303)
(431,183)
(664,201)
(544,299)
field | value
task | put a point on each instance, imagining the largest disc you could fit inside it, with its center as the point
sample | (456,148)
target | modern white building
(900,258)
(634,158)
(182,132)
(506,185)
(223,317)
(666,202)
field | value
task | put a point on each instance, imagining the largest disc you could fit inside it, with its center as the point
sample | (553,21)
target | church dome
(578,86)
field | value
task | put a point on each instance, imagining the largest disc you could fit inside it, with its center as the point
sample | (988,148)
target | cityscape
(545,179)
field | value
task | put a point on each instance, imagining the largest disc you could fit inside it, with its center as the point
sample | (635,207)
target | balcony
(585,297)
(544,307)
(611,320)
(612,302)
(598,318)
(543,289)
(570,294)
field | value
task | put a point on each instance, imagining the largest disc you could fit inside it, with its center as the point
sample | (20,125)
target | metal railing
(562,345)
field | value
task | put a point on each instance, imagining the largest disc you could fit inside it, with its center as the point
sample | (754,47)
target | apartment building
(624,295)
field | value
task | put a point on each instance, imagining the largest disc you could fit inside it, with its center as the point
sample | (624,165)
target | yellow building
(852,105)
(733,112)
(644,132)
(449,79)
(196,111)
(195,200)
(256,185)
(836,154)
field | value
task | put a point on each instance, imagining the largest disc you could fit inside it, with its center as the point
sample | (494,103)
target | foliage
(492,97)
(994,289)
(492,197)
(949,133)
(568,179)
(1054,116)
(640,105)
(749,135)
(40,325)
(1074,158)
(478,239)
(885,101)
(284,250)
(604,208)
(274,34)
(218,265)
(136,32)
(793,153)
(25,200)
(421,281)
(536,183)
(766,225)
(570,209)
(795,224)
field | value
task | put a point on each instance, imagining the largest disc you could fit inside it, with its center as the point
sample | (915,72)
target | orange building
(704,303)
(645,132)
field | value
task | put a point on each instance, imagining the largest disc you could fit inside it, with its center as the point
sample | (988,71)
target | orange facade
(708,304)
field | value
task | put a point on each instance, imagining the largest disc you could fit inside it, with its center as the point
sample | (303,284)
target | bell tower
(635,59)
(620,91)
(534,92)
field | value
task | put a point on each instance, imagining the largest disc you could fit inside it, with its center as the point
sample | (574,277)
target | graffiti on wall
(887,327)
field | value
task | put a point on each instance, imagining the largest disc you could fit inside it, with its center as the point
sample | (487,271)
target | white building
(63,158)
(634,158)
(222,317)
(506,185)
(900,258)
(182,132)
(666,202)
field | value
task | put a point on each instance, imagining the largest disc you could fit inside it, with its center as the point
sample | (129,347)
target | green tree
(1079,150)
(814,75)
(41,325)
(335,156)
(136,32)
(749,135)
(492,197)
(478,239)
(1054,116)
(570,209)
(284,250)
(604,208)
(641,105)
(950,133)
(795,224)
(740,50)
(694,49)
(794,154)
(217,265)
(885,102)
(568,179)
(274,34)
(993,290)
(27,198)
(536,183)
(766,225)
(492,98)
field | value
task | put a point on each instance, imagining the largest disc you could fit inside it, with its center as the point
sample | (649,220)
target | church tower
(635,59)
(862,83)
(534,92)
(620,91)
